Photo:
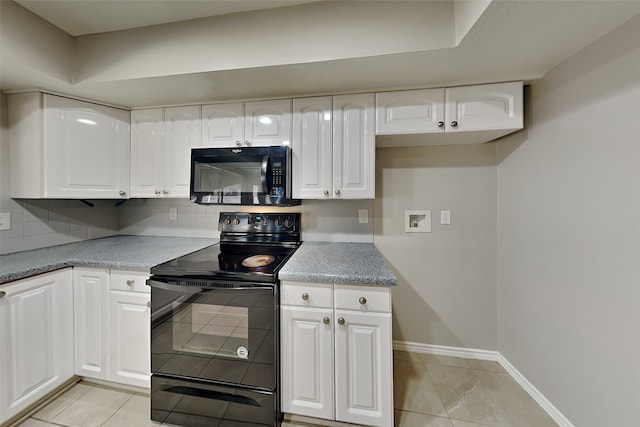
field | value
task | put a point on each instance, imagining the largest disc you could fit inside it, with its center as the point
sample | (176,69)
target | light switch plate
(5,221)
(445,217)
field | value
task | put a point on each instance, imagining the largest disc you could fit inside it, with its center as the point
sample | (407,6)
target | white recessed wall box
(417,221)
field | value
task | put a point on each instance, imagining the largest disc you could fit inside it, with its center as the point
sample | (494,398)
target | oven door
(221,332)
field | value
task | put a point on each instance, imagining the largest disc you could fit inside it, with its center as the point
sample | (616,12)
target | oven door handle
(194,289)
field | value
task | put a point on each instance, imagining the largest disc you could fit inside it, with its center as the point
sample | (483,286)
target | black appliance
(247,176)
(215,326)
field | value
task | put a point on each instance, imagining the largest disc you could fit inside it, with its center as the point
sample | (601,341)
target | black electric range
(215,325)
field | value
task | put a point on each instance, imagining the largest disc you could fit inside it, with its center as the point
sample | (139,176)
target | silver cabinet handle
(165,192)
(326,192)
(341,321)
(247,143)
(238,143)
(2,294)
(305,297)
(157,192)
(337,192)
(363,300)
(454,124)
(123,193)
(326,320)
(130,282)
(440,124)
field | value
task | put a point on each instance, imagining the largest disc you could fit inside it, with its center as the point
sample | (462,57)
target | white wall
(446,293)
(569,235)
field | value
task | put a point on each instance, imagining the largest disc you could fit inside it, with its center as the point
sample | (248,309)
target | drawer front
(306,295)
(362,298)
(134,281)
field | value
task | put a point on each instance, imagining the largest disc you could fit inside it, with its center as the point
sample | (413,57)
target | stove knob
(236,221)
(278,222)
(227,221)
(288,223)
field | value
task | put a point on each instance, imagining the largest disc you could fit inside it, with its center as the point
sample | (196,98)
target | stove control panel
(249,222)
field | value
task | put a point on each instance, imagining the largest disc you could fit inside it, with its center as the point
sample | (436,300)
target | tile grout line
(117,410)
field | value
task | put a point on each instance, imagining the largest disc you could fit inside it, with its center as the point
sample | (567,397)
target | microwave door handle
(263,174)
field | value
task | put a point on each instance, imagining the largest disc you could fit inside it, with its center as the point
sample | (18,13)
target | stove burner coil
(256,261)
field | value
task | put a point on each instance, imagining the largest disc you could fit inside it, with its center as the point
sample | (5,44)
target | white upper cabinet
(485,107)
(64,148)
(312,160)
(255,123)
(334,147)
(457,115)
(223,125)
(410,111)
(353,147)
(161,142)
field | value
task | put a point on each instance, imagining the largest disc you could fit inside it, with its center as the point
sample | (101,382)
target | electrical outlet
(173,214)
(5,221)
(363,216)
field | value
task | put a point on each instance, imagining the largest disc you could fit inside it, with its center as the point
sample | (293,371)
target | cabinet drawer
(134,281)
(306,295)
(362,298)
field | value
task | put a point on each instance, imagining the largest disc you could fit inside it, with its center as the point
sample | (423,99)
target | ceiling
(324,47)
(82,17)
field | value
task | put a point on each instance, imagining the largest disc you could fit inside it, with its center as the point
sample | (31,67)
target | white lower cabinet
(36,339)
(130,338)
(112,338)
(337,353)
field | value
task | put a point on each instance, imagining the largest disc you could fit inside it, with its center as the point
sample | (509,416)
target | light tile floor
(429,391)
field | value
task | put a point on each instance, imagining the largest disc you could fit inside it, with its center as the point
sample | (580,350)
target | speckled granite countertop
(345,263)
(133,253)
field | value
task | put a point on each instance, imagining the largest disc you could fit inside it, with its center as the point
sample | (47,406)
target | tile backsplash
(42,223)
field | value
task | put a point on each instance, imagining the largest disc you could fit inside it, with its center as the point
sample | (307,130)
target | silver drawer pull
(130,282)
(305,297)
(326,320)
(363,300)
(341,321)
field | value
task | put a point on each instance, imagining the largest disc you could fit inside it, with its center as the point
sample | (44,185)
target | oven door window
(225,335)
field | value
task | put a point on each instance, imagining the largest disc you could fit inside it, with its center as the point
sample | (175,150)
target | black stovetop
(240,262)
(252,248)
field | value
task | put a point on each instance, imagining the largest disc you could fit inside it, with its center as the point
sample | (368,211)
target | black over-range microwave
(247,176)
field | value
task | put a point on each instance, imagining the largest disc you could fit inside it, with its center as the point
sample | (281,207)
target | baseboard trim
(495,356)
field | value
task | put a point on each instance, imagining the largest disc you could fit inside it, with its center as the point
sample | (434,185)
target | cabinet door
(223,125)
(86,149)
(311,148)
(130,338)
(147,152)
(183,128)
(410,111)
(363,369)
(36,339)
(268,122)
(484,107)
(307,362)
(353,147)
(91,326)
